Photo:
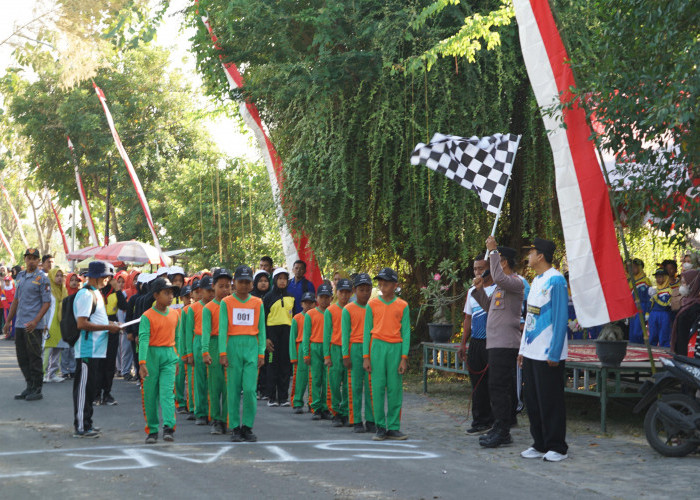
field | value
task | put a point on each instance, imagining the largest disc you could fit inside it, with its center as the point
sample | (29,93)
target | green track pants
(159,387)
(386,380)
(216,380)
(318,388)
(358,386)
(201,406)
(180,397)
(189,370)
(242,375)
(300,380)
(338,382)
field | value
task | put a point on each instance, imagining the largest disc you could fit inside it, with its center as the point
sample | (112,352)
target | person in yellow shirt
(242,343)
(300,380)
(278,314)
(387,339)
(333,353)
(158,361)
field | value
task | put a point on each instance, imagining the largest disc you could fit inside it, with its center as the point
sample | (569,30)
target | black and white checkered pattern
(483,165)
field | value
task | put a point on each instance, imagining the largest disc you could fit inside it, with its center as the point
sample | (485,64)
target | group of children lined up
(201,342)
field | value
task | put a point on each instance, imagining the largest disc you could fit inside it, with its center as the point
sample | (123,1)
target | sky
(224,131)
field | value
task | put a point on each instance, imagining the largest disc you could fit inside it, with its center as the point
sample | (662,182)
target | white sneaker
(532,453)
(553,456)
(47,380)
(56,379)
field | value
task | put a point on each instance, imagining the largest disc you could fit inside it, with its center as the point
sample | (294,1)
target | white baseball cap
(162,270)
(279,270)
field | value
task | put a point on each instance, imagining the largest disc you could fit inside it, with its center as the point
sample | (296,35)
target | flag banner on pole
(60,226)
(295,246)
(14,214)
(481,164)
(130,168)
(83,198)
(7,245)
(599,287)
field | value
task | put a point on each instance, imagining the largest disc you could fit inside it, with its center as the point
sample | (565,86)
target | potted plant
(610,345)
(440,295)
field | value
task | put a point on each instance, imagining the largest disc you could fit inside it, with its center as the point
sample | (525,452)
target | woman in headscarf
(261,283)
(52,344)
(688,313)
(73,283)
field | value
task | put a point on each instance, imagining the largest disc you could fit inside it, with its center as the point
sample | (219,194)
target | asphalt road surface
(299,458)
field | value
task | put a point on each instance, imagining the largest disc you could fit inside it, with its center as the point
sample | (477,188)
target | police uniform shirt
(33,290)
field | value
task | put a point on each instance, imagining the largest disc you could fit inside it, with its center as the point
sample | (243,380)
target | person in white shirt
(542,354)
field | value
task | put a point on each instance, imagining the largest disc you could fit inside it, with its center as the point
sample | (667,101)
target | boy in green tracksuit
(312,347)
(186,356)
(180,378)
(300,380)
(216,374)
(353,330)
(387,338)
(333,354)
(158,361)
(193,339)
(242,343)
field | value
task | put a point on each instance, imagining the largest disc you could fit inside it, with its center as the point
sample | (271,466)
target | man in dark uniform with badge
(32,300)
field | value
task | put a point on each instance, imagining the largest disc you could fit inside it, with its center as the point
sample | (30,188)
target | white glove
(652,291)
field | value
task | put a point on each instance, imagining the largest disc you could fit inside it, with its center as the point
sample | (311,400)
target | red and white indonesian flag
(60,226)
(7,245)
(14,214)
(599,287)
(132,173)
(83,198)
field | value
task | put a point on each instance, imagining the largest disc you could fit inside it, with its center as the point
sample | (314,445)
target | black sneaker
(298,410)
(326,415)
(190,416)
(90,433)
(201,421)
(272,402)
(284,403)
(109,400)
(23,394)
(97,402)
(396,435)
(337,421)
(152,438)
(495,439)
(346,421)
(168,434)
(35,395)
(358,428)
(182,410)
(236,435)
(214,428)
(96,429)
(248,435)
(316,416)
(477,430)
(380,435)
(370,427)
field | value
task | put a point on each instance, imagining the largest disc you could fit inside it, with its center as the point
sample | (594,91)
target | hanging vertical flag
(83,199)
(599,288)
(7,245)
(60,227)
(296,246)
(14,214)
(132,173)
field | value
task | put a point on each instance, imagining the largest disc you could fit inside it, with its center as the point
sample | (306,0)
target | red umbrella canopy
(129,251)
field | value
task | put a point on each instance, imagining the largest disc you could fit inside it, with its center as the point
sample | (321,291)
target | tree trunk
(517,126)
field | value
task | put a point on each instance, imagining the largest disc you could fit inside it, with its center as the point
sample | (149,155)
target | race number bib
(243,317)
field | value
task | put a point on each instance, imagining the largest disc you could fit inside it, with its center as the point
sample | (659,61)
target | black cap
(195,284)
(638,262)
(308,296)
(363,279)
(324,290)
(185,290)
(387,274)
(160,284)
(222,272)
(243,273)
(543,246)
(206,283)
(343,284)
(661,271)
(32,252)
(507,252)
(99,269)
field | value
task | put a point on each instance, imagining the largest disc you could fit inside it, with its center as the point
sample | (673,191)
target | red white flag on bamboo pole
(83,198)
(599,288)
(60,226)
(14,214)
(132,173)
(295,246)
(7,245)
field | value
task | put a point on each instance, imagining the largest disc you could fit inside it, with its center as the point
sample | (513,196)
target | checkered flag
(483,165)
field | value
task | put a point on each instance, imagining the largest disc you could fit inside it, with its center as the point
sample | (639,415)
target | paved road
(297,458)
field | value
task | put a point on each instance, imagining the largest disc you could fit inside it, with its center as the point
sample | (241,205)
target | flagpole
(500,205)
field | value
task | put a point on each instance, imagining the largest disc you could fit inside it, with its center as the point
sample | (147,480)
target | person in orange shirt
(312,347)
(180,379)
(333,354)
(387,339)
(193,341)
(216,378)
(158,361)
(242,343)
(353,329)
(300,380)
